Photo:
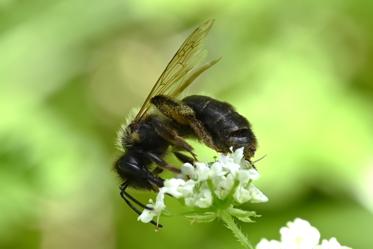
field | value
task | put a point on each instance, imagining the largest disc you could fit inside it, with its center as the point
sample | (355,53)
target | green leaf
(202,218)
(242,215)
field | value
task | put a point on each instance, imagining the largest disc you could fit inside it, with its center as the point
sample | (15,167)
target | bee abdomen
(227,127)
(216,115)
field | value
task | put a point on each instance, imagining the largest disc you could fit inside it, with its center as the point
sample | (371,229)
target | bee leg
(171,136)
(157,171)
(183,158)
(139,213)
(202,133)
(184,115)
(161,163)
(122,193)
(125,195)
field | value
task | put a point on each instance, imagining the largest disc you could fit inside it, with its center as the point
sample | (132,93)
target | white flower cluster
(299,234)
(229,179)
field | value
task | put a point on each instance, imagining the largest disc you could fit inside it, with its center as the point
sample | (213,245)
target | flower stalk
(232,225)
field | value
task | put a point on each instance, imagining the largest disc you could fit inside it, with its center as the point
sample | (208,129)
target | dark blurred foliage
(70,71)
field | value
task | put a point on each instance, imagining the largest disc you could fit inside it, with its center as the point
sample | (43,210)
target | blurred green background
(70,71)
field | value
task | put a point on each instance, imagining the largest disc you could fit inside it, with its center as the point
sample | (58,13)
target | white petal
(237,155)
(254,174)
(223,159)
(146,216)
(231,167)
(242,195)
(159,202)
(188,188)
(251,193)
(299,234)
(216,169)
(187,170)
(172,186)
(257,196)
(204,199)
(245,175)
(202,171)
(272,244)
(201,197)
(331,244)
(223,185)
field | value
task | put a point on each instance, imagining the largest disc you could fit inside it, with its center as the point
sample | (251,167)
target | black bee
(149,135)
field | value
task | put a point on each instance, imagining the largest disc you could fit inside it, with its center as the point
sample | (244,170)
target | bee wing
(191,77)
(185,59)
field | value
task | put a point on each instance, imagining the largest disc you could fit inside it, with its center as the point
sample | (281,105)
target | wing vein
(181,64)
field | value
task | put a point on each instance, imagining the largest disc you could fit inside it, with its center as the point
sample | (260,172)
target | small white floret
(300,234)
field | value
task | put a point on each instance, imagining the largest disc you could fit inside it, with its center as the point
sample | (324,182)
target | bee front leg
(125,195)
(184,158)
(184,115)
(157,171)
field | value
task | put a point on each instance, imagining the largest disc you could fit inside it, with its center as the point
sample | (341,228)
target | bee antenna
(257,160)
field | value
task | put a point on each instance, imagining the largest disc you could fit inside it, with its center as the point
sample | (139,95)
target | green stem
(229,222)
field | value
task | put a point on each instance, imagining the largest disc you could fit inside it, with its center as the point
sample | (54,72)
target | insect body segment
(226,126)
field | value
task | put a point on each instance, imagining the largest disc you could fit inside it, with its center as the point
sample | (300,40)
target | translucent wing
(191,77)
(185,59)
